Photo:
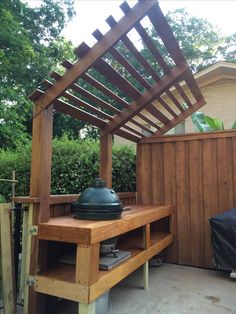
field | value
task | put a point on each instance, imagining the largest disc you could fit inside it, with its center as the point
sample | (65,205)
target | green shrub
(75,164)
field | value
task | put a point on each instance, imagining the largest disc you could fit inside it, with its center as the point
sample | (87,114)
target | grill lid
(98,203)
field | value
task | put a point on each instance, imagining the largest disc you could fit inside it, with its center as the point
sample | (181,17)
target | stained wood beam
(105,165)
(62,106)
(131,47)
(106,91)
(83,103)
(164,31)
(125,63)
(127,135)
(129,128)
(75,87)
(182,116)
(156,90)
(98,50)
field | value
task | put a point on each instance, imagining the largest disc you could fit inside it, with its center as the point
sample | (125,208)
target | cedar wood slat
(210,195)
(195,202)
(157,173)
(156,90)
(182,202)
(169,158)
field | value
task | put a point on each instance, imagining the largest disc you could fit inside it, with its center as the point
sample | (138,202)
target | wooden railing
(60,205)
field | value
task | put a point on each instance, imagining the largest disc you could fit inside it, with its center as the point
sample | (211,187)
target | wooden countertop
(69,229)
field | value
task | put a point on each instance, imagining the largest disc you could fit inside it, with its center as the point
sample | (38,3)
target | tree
(30,46)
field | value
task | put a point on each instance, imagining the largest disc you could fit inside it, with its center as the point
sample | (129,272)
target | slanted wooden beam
(78,113)
(105,168)
(87,94)
(98,50)
(156,90)
(182,116)
(163,29)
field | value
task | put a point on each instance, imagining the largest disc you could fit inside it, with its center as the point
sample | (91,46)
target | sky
(91,14)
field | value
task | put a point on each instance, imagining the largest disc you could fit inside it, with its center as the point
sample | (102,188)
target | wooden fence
(196,173)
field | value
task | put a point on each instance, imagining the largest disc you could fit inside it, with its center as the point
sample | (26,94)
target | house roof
(121,105)
(221,70)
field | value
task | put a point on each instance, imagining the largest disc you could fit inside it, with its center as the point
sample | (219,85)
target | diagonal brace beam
(151,94)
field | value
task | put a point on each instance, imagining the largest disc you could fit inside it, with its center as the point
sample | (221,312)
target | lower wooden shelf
(60,281)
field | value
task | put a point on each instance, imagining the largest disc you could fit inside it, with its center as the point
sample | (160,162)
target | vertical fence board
(170,194)
(196,210)
(182,203)
(156,177)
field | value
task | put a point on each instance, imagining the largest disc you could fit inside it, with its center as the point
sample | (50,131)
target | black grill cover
(223,235)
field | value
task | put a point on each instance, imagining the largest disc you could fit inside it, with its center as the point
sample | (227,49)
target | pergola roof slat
(156,90)
(62,106)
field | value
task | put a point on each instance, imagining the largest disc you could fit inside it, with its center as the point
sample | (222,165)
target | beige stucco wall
(221,103)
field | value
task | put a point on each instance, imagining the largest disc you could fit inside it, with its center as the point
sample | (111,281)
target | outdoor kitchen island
(84,282)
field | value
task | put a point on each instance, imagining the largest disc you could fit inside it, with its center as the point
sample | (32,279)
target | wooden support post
(8,273)
(87,308)
(40,184)
(87,264)
(146,244)
(105,169)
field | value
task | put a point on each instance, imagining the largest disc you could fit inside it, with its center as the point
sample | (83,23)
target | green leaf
(234,125)
(199,121)
(214,123)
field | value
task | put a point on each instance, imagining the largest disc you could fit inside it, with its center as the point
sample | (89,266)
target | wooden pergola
(125,112)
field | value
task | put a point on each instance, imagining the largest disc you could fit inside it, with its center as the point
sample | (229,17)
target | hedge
(75,164)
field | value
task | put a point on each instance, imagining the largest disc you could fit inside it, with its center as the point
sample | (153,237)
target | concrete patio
(173,289)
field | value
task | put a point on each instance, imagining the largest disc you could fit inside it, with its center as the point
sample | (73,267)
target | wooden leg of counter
(87,308)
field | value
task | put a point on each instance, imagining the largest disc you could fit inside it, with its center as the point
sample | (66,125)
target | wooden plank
(164,31)
(169,182)
(124,62)
(234,170)
(224,176)
(156,90)
(156,176)
(110,279)
(167,107)
(131,47)
(105,165)
(87,264)
(145,175)
(157,114)
(196,238)
(182,204)
(98,50)
(7,263)
(61,289)
(87,106)
(85,93)
(189,137)
(77,113)
(210,193)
